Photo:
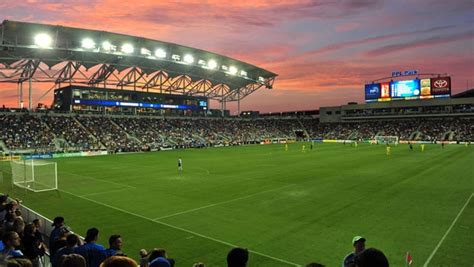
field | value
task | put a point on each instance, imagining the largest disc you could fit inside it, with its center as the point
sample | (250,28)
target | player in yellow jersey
(387,150)
(355,144)
(422,147)
(303,148)
(286,146)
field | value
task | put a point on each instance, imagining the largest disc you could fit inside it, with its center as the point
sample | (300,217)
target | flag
(409,259)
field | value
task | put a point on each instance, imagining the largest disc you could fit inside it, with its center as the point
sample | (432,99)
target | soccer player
(311,147)
(422,147)
(303,148)
(411,146)
(286,146)
(180,165)
(387,149)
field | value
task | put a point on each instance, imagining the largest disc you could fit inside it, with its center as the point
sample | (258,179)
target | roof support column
(30,95)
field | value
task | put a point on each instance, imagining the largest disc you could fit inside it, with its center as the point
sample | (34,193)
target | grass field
(287,207)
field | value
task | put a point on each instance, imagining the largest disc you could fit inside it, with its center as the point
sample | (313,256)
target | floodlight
(107,46)
(88,43)
(43,40)
(188,59)
(127,48)
(243,73)
(212,64)
(145,52)
(233,70)
(160,53)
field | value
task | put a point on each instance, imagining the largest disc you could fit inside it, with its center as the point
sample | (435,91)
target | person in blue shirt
(115,246)
(11,240)
(359,246)
(92,252)
(58,225)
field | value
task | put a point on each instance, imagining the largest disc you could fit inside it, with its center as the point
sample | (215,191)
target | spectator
(371,257)
(60,242)
(39,236)
(143,258)
(92,252)
(119,261)
(19,262)
(198,264)
(32,247)
(359,245)
(314,264)
(72,242)
(11,240)
(158,258)
(237,257)
(58,224)
(72,260)
(115,246)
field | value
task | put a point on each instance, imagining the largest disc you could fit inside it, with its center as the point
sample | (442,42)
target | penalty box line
(181,229)
(447,231)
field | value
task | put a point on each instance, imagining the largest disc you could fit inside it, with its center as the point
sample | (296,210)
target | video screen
(441,86)
(385,90)
(372,91)
(401,89)
(425,85)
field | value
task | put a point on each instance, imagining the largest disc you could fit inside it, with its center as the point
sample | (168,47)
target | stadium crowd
(23,244)
(54,132)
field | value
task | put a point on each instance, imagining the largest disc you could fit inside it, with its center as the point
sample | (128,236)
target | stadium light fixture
(127,48)
(212,64)
(88,43)
(233,70)
(160,53)
(107,46)
(243,73)
(188,59)
(43,40)
(145,52)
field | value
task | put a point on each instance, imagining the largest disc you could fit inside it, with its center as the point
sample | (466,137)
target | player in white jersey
(180,165)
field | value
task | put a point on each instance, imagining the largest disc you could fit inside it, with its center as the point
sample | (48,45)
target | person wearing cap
(359,246)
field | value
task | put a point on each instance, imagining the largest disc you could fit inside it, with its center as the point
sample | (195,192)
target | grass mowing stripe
(223,202)
(181,229)
(447,232)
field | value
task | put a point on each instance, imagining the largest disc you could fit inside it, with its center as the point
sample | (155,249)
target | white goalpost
(392,140)
(35,175)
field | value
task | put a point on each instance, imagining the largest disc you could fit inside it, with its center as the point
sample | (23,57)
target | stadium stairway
(306,134)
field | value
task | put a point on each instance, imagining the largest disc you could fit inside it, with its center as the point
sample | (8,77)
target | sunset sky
(323,50)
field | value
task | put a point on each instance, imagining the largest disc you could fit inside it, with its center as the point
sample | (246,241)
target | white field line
(105,192)
(222,202)
(447,232)
(181,229)
(100,180)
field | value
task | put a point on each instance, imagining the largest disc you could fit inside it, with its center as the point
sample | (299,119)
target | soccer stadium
(136,159)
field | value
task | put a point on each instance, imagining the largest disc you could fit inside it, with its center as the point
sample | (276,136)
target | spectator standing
(92,252)
(359,245)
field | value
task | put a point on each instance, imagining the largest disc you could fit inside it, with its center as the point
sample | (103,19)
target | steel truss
(109,75)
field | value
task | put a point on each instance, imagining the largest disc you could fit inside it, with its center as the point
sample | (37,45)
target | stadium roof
(58,54)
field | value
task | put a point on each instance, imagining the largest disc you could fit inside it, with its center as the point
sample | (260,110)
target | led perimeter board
(92,99)
(426,88)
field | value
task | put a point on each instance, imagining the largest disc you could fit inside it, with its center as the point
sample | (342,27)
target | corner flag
(409,259)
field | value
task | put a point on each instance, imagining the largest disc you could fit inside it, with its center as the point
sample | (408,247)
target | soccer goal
(393,140)
(35,175)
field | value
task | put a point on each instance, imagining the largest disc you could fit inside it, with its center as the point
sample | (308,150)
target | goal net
(386,140)
(35,175)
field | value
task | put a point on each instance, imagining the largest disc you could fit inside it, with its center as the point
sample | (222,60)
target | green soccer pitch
(288,208)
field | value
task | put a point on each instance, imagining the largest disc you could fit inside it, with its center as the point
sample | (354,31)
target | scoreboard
(408,89)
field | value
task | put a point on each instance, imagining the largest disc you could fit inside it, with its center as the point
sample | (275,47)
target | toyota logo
(440,83)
